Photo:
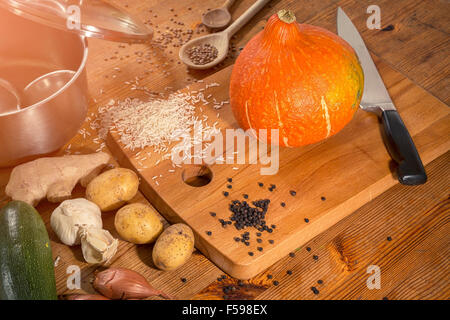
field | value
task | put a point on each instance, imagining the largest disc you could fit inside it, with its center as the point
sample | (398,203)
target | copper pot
(47,37)
(27,49)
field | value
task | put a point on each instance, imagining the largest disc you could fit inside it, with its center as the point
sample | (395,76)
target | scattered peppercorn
(230,180)
(273,226)
(250,253)
(385,298)
(275,283)
(183,279)
(315,257)
(388,28)
(229,186)
(237,239)
(293,193)
(269,276)
(314,290)
(259,240)
(213,214)
(289,272)
(308,249)
(225,193)
(292,254)
(260,249)
(323,198)
(283,204)
(245,196)
(208,233)
(258,234)
(389,238)
(271,241)
(306,220)
(319,281)
(260,184)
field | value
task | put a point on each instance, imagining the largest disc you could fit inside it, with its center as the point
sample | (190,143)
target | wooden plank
(416,57)
(414,264)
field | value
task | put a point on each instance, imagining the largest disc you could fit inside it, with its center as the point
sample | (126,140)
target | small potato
(113,188)
(173,247)
(138,223)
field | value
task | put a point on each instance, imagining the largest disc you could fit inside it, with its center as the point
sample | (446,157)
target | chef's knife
(376,99)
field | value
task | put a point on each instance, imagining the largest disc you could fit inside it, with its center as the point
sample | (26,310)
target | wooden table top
(404,231)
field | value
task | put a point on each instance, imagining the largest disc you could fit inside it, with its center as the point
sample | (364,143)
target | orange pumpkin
(301,79)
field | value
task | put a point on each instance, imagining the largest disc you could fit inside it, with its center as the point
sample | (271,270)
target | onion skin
(84,297)
(125,284)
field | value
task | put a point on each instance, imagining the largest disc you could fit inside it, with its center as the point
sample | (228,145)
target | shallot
(121,283)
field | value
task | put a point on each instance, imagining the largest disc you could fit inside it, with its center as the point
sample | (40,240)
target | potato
(113,188)
(173,247)
(138,223)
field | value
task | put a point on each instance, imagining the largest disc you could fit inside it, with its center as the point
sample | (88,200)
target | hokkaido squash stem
(286,16)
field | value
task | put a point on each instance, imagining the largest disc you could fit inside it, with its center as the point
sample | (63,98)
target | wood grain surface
(348,169)
(414,264)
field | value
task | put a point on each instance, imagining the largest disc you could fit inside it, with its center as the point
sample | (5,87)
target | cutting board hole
(197,175)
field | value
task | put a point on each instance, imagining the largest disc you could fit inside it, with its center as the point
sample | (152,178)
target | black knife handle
(402,149)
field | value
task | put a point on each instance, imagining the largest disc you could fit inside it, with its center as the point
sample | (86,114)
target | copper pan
(44,127)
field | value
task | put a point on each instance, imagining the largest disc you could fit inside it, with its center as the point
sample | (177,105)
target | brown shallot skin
(84,297)
(125,284)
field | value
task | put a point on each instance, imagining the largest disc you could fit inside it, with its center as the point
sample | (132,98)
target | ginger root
(53,178)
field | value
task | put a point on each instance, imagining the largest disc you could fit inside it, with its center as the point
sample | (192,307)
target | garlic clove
(67,218)
(97,245)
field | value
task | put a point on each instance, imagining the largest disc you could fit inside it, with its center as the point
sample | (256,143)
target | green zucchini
(26,264)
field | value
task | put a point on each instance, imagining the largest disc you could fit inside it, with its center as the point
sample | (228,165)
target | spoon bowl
(218,40)
(217,18)
(45,85)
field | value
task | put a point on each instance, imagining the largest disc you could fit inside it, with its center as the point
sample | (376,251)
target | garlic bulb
(98,245)
(71,215)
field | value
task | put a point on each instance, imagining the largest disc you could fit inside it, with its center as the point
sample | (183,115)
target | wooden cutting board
(331,179)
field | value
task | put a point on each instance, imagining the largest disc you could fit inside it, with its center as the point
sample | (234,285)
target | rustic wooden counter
(404,231)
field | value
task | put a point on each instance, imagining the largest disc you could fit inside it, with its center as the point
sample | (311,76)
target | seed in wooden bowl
(202,54)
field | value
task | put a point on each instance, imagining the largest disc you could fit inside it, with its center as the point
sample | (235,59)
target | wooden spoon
(220,40)
(218,18)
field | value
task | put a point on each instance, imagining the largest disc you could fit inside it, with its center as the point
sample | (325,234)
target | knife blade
(376,99)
